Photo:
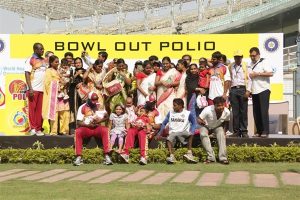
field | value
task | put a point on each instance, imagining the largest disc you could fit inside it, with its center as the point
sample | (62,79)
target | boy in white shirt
(182,125)
(213,120)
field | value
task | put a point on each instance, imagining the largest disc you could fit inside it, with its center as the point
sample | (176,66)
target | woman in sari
(145,83)
(75,100)
(123,78)
(181,90)
(52,110)
(166,80)
(93,79)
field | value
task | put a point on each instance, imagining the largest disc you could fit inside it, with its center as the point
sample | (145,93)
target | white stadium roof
(62,9)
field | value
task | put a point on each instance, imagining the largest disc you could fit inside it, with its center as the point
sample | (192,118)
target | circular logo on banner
(271,44)
(19,118)
(17,86)
(2,45)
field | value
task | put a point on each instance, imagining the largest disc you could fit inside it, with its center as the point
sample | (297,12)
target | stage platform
(23,142)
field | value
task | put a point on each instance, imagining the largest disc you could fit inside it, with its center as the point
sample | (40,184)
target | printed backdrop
(16,49)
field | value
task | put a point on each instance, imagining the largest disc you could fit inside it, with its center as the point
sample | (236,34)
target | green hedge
(235,154)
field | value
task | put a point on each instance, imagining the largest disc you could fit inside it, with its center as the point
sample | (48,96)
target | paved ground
(104,176)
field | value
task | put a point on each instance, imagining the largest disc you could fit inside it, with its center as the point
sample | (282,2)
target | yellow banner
(135,46)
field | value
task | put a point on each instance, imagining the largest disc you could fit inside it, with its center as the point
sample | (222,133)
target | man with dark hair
(70,58)
(102,56)
(214,119)
(219,78)
(187,58)
(35,70)
(260,74)
(182,125)
(152,59)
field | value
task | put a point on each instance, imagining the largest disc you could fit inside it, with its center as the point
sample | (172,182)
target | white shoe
(190,158)
(40,133)
(125,158)
(78,161)
(107,160)
(32,132)
(143,161)
(171,159)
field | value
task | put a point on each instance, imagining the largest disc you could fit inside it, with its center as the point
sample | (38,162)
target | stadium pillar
(173,14)
(146,20)
(297,78)
(22,23)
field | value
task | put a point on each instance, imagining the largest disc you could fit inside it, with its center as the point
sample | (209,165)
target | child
(182,126)
(118,124)
(130,110)
(139,127)
(65,75)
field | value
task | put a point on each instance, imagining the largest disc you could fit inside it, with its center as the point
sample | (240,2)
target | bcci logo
(271,44)
(19,118)
(1,45)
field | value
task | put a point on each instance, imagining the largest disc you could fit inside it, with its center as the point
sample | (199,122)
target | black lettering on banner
(163,45)
(174,47)
(131,46)
(146,45)
(99,48)
(88,45)
(188,47)
(70,47)
(209,45)
(59,46)
(122,44)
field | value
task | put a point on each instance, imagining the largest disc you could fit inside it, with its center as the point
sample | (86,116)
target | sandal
(207,161)
(224,162)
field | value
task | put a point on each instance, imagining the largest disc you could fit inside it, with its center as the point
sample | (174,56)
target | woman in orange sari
(93,78)
(166,80)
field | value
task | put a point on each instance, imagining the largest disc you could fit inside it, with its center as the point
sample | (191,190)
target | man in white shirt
(89,118)
(35,70)
(260,74)
(214,119)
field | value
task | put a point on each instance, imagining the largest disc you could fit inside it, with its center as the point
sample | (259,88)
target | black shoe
(245,135)
(234,135)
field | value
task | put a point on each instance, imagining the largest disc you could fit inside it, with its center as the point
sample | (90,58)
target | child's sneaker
(125,157)
(190,158)
(171,159)
(107,160)
(60,95)
(32,132)
(143,161)
(78,161)
(40,133)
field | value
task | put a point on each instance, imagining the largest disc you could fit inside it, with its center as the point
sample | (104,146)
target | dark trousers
(239,106)
(261,111)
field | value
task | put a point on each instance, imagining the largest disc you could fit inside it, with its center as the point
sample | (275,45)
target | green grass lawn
(23,190)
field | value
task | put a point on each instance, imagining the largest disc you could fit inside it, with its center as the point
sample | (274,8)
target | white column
(22,23)
(200,4)
(146,22)
(47,24)
(71,23)
(172,14)
(95,21)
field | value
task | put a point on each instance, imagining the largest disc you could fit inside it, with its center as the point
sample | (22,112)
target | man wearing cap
(239,94)
(89,118)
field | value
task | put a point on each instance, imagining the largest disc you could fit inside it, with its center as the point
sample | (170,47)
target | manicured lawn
(23,190)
